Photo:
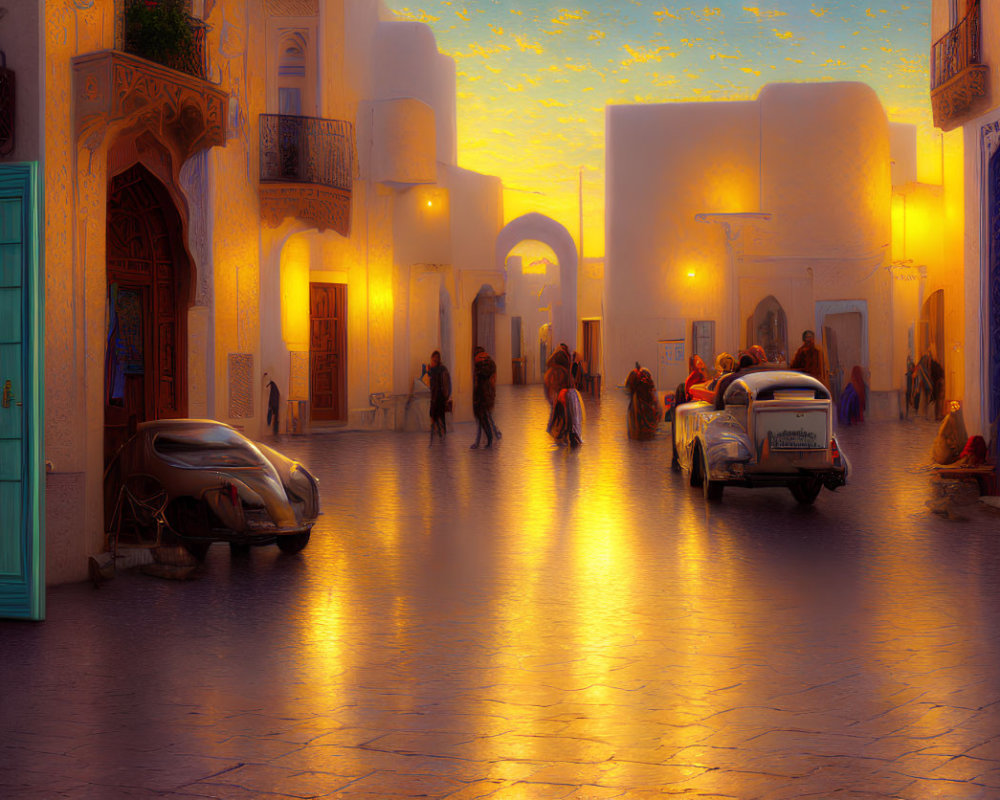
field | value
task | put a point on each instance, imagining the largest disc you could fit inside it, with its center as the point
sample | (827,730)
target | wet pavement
(531,622)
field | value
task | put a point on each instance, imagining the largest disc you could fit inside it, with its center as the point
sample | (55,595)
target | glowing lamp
(691,273)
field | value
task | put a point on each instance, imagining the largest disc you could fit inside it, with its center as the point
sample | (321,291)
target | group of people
(484,392)
(562,375)
(644,411)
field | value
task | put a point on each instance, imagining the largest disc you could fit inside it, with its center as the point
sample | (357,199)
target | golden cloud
(764,14)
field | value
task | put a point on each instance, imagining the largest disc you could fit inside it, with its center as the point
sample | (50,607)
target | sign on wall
(671,364)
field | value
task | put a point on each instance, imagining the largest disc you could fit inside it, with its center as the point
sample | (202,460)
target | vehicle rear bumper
(831,478)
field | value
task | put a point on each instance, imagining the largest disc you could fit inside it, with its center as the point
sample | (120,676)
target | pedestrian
(811,359)
(566,413)
(852,400)
(643,406)
(484,383)
(439,382)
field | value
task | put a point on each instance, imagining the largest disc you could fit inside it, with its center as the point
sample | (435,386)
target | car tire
(675,462)
(293,543)
(198,549)
(711,489)
(806,492)
(697,467)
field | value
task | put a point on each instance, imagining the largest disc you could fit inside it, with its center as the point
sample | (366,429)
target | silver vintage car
(200,481)
(763,427)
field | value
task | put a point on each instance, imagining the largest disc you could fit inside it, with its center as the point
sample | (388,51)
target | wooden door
(328,351)
(22,502)
(592,346)
(148,278)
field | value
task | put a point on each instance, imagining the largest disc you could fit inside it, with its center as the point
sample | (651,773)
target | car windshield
(206,447)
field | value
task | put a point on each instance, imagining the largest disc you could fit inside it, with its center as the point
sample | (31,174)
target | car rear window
(194,450)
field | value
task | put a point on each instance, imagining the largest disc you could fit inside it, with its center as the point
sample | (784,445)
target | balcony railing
(189,54)
(957,50)
(306,150)
(306,171)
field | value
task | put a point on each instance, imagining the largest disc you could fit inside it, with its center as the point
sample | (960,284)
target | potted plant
(158,30)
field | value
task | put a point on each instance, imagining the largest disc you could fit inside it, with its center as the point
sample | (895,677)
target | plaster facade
(713,208)
(411,239)
(973,302)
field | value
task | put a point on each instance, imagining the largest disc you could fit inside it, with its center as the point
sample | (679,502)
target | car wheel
(712,489)
(675,462)
(697,467)
(239,549)
(293,543)
(806,491)
(198,549)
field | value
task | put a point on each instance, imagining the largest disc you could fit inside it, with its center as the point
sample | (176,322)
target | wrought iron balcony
(177,41)
(958,76)
(306,170)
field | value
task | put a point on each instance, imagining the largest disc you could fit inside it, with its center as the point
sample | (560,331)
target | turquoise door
(22,507)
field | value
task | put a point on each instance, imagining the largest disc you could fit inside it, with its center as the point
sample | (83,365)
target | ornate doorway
(148,293)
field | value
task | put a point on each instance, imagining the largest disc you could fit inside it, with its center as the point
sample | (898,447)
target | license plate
(792,430)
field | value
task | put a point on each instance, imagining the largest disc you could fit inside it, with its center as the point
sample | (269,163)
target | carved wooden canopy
(115,90)
(321,206)
(952,102)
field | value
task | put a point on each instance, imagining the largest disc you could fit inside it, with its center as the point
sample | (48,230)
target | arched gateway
(539,228)
(148,292)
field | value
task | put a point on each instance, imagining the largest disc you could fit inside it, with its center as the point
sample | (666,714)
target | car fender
(726,443)
(295,478)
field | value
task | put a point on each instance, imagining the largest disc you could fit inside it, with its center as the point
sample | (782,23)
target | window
(290,101)
(291,70)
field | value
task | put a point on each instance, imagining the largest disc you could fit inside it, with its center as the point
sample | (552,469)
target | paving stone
(536,622)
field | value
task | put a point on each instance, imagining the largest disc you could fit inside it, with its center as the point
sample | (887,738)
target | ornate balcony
(114,91)
(958,76)
(306,170)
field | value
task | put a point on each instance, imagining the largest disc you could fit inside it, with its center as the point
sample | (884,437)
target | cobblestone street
(535,622)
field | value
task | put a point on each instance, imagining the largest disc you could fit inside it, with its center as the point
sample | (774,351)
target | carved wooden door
(147,275)
(327,350)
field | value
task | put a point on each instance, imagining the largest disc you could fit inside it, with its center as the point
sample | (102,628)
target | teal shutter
(22,491)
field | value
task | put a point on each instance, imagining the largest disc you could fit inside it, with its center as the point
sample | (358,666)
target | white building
(739,223)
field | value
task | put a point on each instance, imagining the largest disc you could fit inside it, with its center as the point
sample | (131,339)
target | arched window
(292,71)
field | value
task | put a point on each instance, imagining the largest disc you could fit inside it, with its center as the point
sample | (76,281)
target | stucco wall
(813,156)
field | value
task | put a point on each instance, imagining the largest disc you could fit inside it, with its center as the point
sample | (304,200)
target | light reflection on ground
(535,622)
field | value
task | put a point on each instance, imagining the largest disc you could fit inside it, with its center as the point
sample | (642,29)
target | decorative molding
(292,8)
(240,385)
(321,206)
(298,375)
(113,89)
(952,102)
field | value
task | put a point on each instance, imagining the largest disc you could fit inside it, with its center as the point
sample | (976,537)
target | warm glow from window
(295,293)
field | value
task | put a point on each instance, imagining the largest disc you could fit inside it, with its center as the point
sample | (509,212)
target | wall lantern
(6,107)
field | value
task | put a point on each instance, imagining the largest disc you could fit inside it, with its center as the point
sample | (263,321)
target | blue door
(22,506)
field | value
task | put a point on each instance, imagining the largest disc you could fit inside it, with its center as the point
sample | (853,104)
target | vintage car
(763,427)
(199,481)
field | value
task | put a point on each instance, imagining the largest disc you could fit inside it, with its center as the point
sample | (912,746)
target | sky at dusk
(534,79)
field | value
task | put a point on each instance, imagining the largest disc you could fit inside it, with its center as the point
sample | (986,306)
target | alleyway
(530,622)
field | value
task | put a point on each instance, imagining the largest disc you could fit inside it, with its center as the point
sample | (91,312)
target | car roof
(756,382)
(173,425)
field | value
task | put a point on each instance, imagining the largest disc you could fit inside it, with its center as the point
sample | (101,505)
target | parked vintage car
(763,427)
(202,481)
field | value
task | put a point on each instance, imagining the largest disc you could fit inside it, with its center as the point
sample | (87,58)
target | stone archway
(538,227)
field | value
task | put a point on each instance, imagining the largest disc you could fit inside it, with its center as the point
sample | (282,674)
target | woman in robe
(643,406)
(852,399)
(439,382)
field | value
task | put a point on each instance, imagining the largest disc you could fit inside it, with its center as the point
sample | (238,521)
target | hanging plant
(158,30)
